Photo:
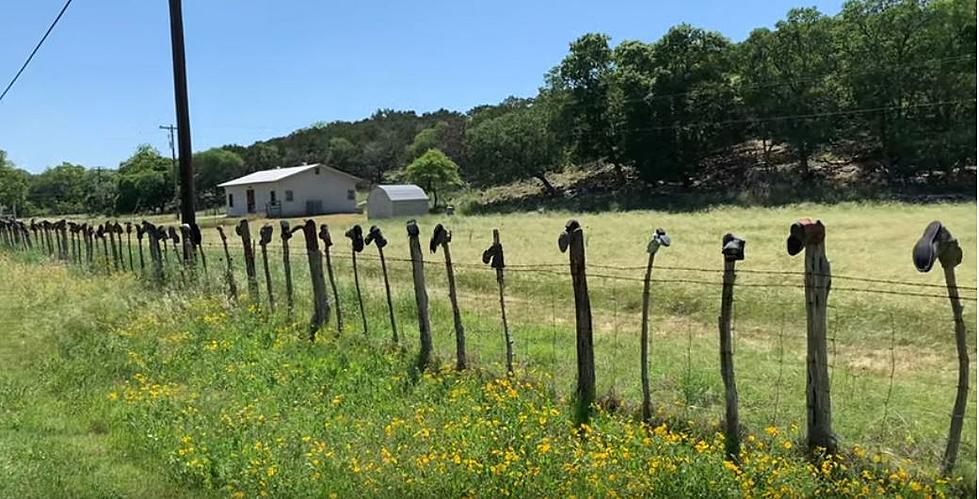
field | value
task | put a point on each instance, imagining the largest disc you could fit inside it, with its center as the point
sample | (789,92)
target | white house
(292,192)
(387,201)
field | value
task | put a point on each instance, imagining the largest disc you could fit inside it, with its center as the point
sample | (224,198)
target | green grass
(214,363)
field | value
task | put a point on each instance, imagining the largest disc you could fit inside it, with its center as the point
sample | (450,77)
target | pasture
(228,396)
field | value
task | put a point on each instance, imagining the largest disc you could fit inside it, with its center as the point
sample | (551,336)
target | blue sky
(102,83)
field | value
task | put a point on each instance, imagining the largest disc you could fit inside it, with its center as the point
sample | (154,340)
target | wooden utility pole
(733,250)
(441,238)
(421,297)
(811,235)
(374,236)
(187,201)
(573,239)
(937,243)
(659,239)
(494,257)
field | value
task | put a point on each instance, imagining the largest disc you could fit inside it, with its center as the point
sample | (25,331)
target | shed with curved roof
(404,200)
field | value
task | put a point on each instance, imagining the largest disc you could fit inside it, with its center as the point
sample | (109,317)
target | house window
(231,200)
(272,196)
(288,195)
(351,195)
(316,171)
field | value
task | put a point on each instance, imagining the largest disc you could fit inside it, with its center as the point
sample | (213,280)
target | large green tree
(61,189)
(513,146)
(213,167)
(14,184)
(435,172)
(144,181)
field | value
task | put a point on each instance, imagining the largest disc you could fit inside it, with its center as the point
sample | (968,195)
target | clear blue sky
(102,82)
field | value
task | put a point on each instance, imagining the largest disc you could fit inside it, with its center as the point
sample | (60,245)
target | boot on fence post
(153,233)
(139,241)
(327,242)
(264,238)
(321,307)
(421,296)
(129,245)
(937,243)
(117,228)
(161,236)
(285,234)
(73,255)
(733,250)
(229,274)
(112,243)
(59,237)
(659,239)
(89,233)
(246,243)
(374,236)
(187,244)
(441,238)
(573,239)
(100,233)
(46,227)
(811,235)
(356,236)
(493,256)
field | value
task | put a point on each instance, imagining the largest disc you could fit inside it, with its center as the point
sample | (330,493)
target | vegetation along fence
(649,336)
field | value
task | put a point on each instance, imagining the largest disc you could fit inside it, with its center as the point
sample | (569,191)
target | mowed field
(892,354)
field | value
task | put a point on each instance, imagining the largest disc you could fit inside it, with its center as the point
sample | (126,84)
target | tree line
(894,78)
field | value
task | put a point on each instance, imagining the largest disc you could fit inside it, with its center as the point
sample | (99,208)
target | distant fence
(531,303)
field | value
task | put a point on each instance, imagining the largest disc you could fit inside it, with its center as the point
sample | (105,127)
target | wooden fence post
(229,274)
(573,238)
(441,238)
(494,257)
(809,235)
(117,228)
(129,245)
(937,243)
(327,242)
(421,296)
(659,239)
(265,237)
(733,250)
(246,243)
(140,231)
(197,239)
(187,244)
(356,236)
(321,307)
(112,244)
(100,233)
(153,233)
(374,236)
(285,234)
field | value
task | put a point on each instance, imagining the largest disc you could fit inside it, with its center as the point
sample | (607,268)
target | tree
(343,153)
(62,189)
(213,167)
(13,186)
(513,146)
(436,172)
(145,180)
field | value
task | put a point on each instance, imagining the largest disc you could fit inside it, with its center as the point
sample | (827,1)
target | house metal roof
(403,192)
(276,174)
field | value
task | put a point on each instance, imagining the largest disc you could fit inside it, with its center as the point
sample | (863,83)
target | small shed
(387,201)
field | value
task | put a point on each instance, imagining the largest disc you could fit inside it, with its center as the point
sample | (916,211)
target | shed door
(250,200)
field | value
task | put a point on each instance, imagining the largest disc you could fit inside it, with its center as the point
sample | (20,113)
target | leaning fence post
(140,230)
(573,238)
(112,244)
(321,307)
(129,245)
(153,233)
(265,237)
(117,228)
(494,257)
(197,240)
(246,243)
(374,236)
(809,235)
(937,243)
(229,273)
(659,239)
(421,296)
(356,236)
(327,242)
(733,250)
(442,237)
(100,233)
(285,234)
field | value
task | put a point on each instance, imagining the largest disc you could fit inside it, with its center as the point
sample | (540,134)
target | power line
(36,47)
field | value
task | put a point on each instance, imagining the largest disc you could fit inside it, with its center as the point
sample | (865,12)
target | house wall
(329,187)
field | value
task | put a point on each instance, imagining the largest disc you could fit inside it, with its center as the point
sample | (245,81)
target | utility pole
(187,209)
(173,160)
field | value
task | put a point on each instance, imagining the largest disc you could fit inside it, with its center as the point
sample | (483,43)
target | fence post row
(356,236)
(421,296)
(374,236)
(153,234)
(732,248)
(246,243)
(937,243)
(285,234)
(264,238)
(493,256)
(229,274)
(442,237)
(809,235)
(321,308)
(327,242)
(658,239)
(573,239)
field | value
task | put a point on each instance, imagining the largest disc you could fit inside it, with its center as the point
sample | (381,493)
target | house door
(250,200)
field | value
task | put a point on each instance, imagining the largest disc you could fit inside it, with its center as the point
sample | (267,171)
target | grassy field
(230,400)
